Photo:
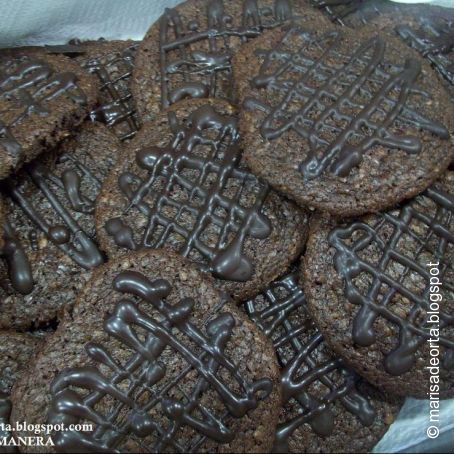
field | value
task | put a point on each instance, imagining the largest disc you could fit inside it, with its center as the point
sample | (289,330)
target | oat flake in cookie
(49,234)
(156,359)
(42,97)
(326,406)
(187,53)
(346,122)
(112,63)
(181,186)
(368,287)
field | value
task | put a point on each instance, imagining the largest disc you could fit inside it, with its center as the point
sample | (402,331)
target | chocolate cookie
(326,406)
(157,361)
(346,122)
(187,53)
(50,246)
(180,185)
(16,350)
(112,63)
(42,98)
(381,290)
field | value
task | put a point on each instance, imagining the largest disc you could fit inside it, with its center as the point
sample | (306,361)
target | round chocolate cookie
(42,98)
(157,361)
(180,185)
(112,63)
(49,234)
(381,290)
(345,122)
(187,53)
(326,406)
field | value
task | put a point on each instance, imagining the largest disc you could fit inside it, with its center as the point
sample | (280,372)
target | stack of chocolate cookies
(236,235)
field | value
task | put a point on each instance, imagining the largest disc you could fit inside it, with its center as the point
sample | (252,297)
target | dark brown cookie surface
(50,246)
(180,185)
(42,98)
(326,406)
(187,53)
(156,360)
(16,351)
(112,63)
(381,290)
(346,122)
(2,220)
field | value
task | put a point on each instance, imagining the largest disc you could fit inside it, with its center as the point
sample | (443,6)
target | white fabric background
(55,21)
(26,22)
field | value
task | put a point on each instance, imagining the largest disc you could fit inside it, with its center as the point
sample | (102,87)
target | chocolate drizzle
(187,73)
(214,187)
(140,396)
(333,118)
(339,10)
(434,39)
(117,109)
(391,279)
(19,268)
(308,370)
(67,235)
(29,84)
